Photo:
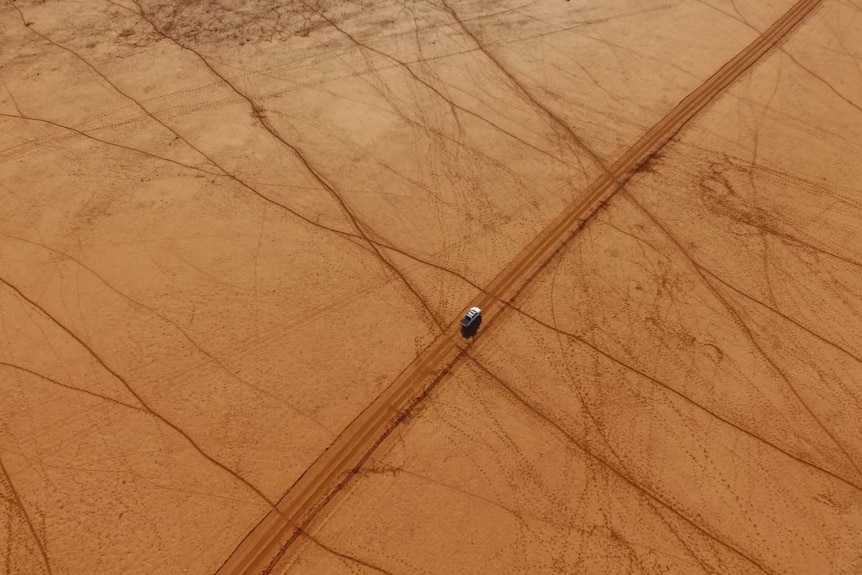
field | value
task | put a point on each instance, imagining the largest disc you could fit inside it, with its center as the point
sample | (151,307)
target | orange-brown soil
(235,238)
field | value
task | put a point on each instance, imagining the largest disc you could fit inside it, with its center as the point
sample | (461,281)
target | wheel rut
(264,545)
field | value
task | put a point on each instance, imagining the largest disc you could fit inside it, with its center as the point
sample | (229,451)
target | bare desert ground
(236,237)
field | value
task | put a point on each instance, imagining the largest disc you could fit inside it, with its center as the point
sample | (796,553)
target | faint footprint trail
(92,353)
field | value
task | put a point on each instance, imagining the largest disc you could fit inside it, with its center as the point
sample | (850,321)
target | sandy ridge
(267,542)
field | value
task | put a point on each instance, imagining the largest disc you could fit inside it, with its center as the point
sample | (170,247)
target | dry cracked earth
(226,226)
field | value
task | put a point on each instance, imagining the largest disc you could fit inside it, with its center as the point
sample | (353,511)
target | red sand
(225,229)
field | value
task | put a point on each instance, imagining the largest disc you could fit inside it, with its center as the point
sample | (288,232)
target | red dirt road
(265,545)
(236,238)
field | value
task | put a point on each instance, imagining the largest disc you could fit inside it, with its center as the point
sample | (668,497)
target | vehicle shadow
(470,331)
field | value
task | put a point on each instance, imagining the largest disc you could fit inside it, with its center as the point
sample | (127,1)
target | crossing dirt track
(236,239)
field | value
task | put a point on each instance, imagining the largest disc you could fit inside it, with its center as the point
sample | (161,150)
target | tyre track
(260,550)
(618,471)
(90,351)
(27,519)
(72,387)
(77,132)
(349,559)
(108,82)
(449,101)
(184,108)
(150,114)
(222,367)
(259,114)
(164,107)
(749,334)
(782,315)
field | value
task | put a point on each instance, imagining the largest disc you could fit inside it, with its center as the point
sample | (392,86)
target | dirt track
(184,227)
(267,543)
